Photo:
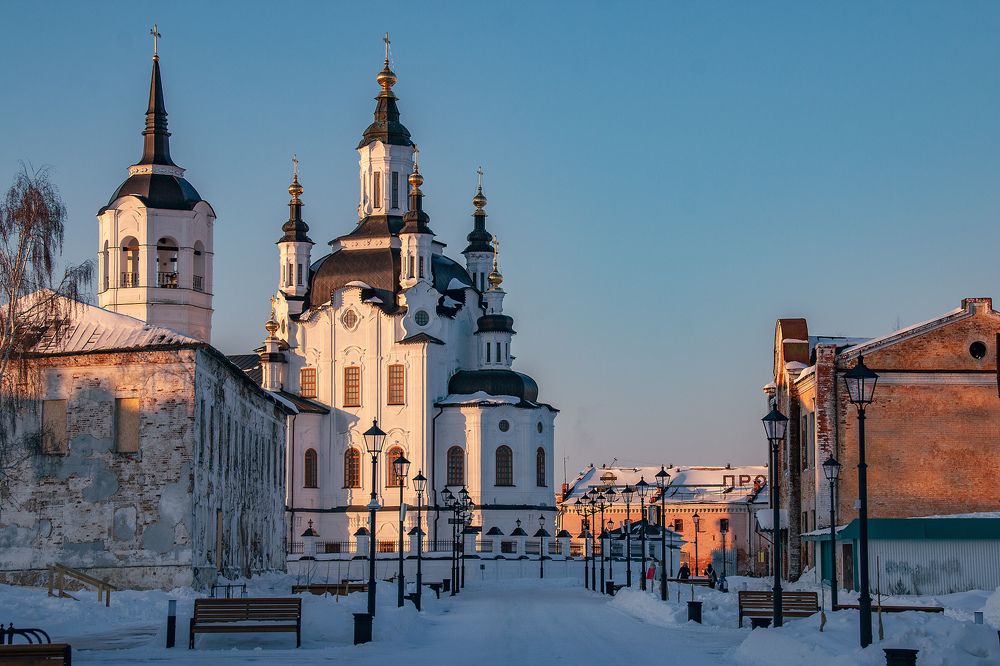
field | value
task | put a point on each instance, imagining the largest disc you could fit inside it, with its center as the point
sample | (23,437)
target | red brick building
(932,432)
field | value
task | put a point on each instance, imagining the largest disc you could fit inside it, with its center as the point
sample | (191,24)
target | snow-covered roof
(765,520)
(94,329)
(701,484)
(479,398)
(966,310)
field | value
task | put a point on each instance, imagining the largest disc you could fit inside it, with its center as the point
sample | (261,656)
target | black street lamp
(420,485)
(400,467)
(775,424)
(627,493)
(750,567)
(374,439)
(451,503)
(642,489)
(592,503)
(662,481)
(723,529)
(540,535)
(831,469)
(611,494)
(601,504)
(581,511)
(697,528)
(861,383)
(464,520)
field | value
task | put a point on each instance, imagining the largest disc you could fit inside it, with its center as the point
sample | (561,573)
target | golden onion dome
(386,78)
(495,279)
(295,189)
(479,200)
(416,180)
(271,327)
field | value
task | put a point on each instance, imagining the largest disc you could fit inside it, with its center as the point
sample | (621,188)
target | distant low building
(730,496)
(932,432)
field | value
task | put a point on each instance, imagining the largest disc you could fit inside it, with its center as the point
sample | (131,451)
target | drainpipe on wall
(437,509)
(290,463)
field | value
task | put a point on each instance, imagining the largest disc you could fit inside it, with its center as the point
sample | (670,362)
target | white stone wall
(144,519)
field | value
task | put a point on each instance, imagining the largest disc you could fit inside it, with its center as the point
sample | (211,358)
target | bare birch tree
(34,303)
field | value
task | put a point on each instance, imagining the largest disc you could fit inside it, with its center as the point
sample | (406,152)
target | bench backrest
(788,599)
(54,653)
(260,609)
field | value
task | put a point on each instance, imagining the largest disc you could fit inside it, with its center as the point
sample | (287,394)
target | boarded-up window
(397,393)
(352,386)
(307,382)
(127,425)
(54,441)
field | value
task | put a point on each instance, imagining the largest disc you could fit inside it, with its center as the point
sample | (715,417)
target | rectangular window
(127,425)
(307,382)
(410,272)
(377,189)
(488,352)
(54,439)
(420,265)
(395,189)
(298,276)
(678,524)
(288,275)
(804,441)
(352,386)
(397,392)
(498,353)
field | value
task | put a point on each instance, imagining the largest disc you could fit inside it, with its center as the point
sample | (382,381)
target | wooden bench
(759,603)
(37,655)
(339,589)
(894,608)
(701,582)
(217,616)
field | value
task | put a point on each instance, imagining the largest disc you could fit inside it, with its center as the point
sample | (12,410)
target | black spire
(415,220)
(479,239)
(386,126)
(156,138)
(296,228)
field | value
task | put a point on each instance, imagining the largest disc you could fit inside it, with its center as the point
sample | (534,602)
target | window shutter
(127,425)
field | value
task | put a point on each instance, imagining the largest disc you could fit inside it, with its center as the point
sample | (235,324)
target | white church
(384,327)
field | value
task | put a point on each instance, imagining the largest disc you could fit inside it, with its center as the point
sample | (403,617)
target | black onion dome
(296,230)
(494,382)
(386,126)
(158,190)
(495,323)
(479,239)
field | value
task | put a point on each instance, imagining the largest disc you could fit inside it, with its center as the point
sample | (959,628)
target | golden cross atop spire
(387,42)
(496,250)
(295,166)
(156,35)
(274,301)
(479,171)
(416,158)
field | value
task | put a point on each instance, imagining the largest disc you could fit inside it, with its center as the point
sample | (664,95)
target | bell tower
(155,253)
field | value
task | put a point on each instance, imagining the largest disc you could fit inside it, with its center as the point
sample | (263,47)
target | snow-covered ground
(509,621)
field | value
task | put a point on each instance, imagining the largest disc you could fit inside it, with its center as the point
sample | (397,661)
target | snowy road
(516,622)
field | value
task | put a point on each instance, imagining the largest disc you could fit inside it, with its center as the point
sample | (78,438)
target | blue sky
(667,178)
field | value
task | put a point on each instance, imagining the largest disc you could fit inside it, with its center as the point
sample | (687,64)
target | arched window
(130,262)
(311,468)
(540,467)
(456,466)
(352,468)
(391,480)
(166,263)
(199,267)
(505,466)
(105,265)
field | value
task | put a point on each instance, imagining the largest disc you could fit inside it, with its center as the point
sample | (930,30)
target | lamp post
(750,567)
(581,511)
(420,485)
(627,493)
(592,503)
(374,439)
(662,481)
(541,534)
(697,523)
(464,516)
(861,383)
(723,529)
(451,503)
(775,424)
(400,467)
(467,505)
(642,489)
(601,503)
(611,495)
(831,469)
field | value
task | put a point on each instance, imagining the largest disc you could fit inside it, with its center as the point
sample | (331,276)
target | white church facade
(384,327)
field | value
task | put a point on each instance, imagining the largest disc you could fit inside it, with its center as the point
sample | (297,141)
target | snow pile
(941,641)
(991,610)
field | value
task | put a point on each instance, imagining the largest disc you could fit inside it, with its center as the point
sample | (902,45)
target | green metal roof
(961,529)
